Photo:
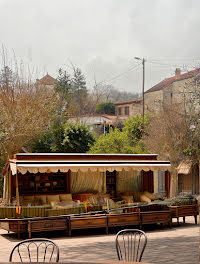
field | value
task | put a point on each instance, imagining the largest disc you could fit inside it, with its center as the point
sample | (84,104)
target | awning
(184,167)
(63,166)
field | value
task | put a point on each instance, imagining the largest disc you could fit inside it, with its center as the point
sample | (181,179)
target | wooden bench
(14,225)
(48,224)
(36,224)
(183,211)
(154,217)
(124,219)
(87,221)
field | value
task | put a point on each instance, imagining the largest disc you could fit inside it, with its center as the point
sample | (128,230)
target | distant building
(176,90)
(125,109)
(47,81)
(99,123)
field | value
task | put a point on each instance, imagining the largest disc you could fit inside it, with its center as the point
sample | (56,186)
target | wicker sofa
(47,200)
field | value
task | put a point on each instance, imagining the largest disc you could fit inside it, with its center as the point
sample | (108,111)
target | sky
(102,37)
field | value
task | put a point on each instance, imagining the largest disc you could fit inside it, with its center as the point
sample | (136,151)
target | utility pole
(143,82)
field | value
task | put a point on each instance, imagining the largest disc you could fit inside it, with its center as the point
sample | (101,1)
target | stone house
(176,90)
(125,109)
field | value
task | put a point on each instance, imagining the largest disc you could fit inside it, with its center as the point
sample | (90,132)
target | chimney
(177,73)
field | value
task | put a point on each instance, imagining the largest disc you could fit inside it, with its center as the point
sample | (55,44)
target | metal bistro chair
(35,250)
(130,244)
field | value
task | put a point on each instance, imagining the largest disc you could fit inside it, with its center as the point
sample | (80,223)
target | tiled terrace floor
(177,245)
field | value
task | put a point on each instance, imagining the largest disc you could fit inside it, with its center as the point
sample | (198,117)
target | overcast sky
(102,37)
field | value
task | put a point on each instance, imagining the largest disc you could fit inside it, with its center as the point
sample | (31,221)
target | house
(180,91)
(176,90)
(47,81)
(96,122)
(125,109)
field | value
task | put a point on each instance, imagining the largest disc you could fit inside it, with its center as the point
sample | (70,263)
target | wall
(134,109)
(153,101)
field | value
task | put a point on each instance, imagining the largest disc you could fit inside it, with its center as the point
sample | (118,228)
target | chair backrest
(130,244)
(35,250)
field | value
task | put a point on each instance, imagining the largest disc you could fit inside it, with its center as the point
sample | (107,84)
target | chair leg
(184,219)
(178,221)
(195,218)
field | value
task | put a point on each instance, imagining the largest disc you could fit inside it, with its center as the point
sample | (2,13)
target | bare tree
(25,109)
(169,135)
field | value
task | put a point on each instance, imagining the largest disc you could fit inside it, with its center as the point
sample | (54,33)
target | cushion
(28,200)
(40,199)
(104,195)
(127,193)
(150,195)
(53,205)
(111,203)
(93,200)
(136,196)
(53,198)
(66,197)
(128,198)
(144,198)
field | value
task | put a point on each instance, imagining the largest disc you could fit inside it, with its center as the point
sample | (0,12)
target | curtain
(86,182)
(128,181)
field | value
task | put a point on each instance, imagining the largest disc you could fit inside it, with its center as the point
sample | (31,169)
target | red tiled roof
(46,80)
(111,117)
(129,102)
(168,81)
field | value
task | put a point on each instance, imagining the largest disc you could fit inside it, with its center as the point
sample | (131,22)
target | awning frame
(54,166)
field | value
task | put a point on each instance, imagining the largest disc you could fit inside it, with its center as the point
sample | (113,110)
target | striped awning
(63,166)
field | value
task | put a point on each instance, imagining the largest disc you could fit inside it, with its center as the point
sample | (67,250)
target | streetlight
(143,79)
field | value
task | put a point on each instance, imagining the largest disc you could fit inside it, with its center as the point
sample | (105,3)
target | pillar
(155,181)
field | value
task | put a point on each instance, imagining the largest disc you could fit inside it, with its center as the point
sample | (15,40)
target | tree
(77,138)
(68,138)
(105,108)
(25,112)
(169,135)
(116,142)
(136,128)
(79,90)
(63,89)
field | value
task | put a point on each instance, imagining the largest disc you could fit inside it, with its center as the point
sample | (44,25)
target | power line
(166,64)
(120,75)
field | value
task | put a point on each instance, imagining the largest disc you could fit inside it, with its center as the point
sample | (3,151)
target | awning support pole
(17,189)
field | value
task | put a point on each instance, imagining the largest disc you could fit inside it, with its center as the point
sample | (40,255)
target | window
(119,110)
(161,181)
(127,110)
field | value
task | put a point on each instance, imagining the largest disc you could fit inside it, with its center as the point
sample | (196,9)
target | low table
(36,224)
(154,217)
(183,211)
(87,222)
(124,219)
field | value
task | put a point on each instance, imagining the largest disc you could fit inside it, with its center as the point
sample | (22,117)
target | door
(147,181)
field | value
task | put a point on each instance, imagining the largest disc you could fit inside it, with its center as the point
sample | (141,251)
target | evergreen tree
(80,92)
(63,89)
